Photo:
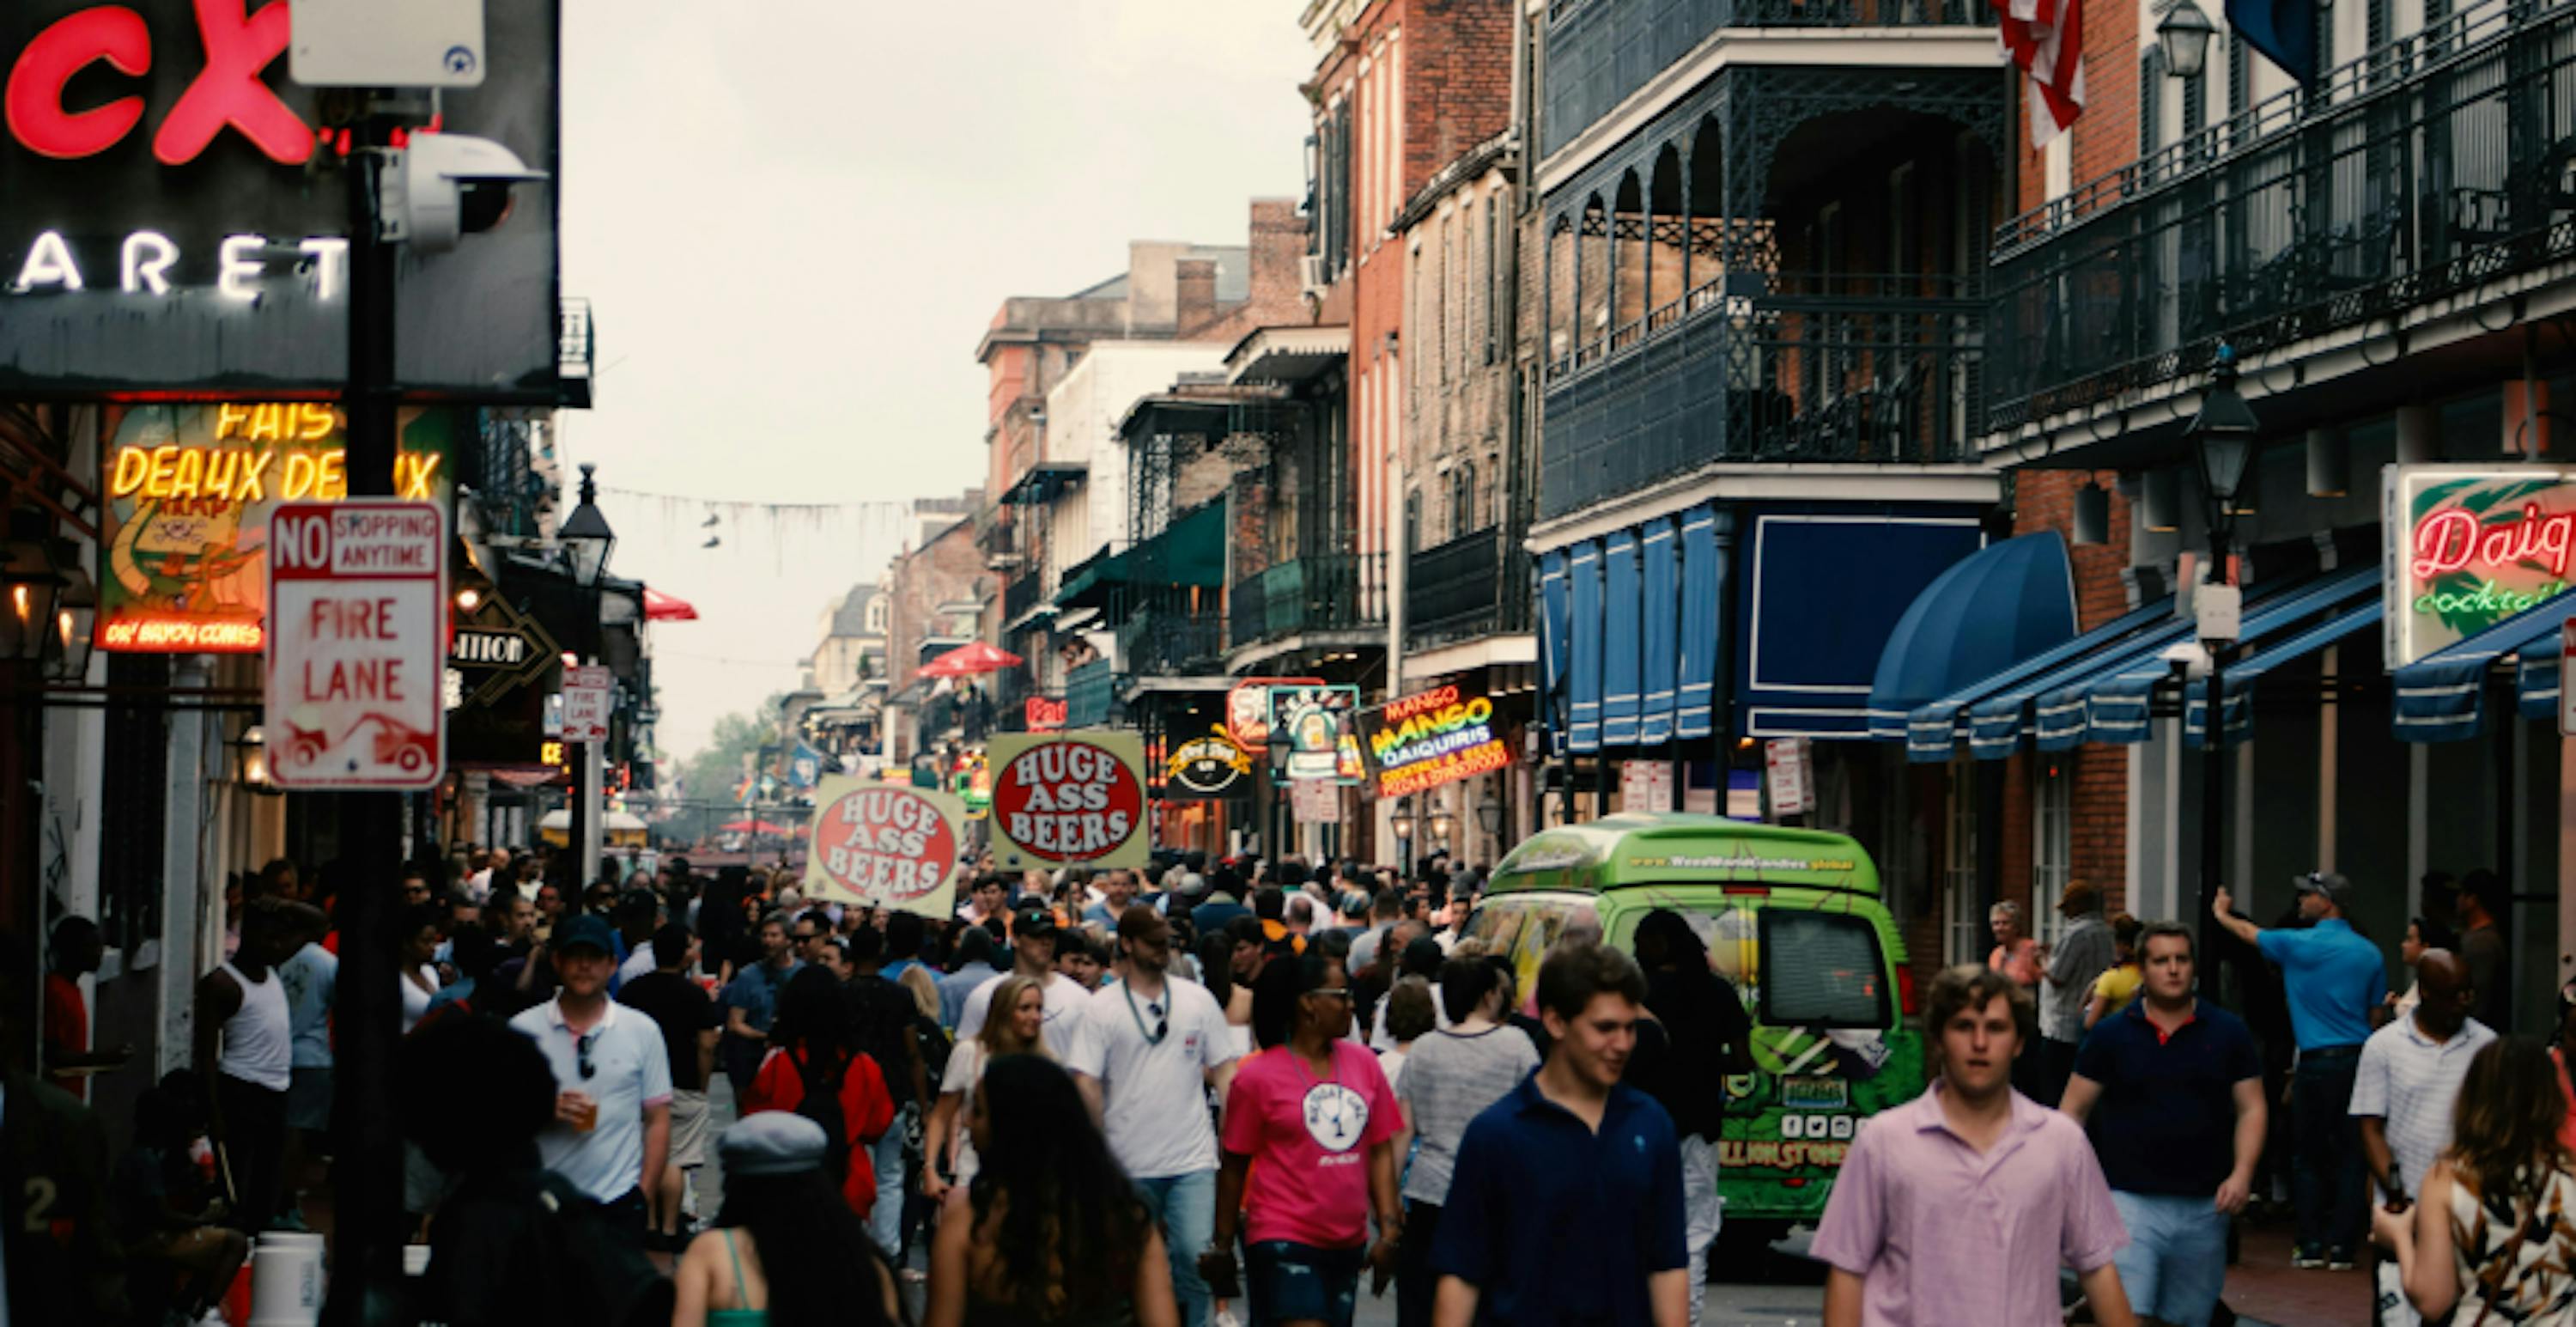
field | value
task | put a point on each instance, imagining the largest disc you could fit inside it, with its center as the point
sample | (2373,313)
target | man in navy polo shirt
(2334,979)
(2177,1088)
(1565,1206)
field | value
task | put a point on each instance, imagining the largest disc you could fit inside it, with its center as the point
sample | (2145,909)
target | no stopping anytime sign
(356,644)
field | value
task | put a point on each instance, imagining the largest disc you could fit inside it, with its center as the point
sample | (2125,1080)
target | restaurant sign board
(2467,546)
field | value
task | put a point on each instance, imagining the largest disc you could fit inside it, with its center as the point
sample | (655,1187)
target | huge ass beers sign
(1068,799)
(884,846)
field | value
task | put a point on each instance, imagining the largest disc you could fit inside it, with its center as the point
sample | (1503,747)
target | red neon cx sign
(227,92)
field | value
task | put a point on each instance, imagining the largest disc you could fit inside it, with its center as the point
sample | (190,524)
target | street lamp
(2184,36)
(586,541)
(75,618)
(585,535)
(1489,813)
(29,585)
(1444,827)
(1403,822)
(2224,437)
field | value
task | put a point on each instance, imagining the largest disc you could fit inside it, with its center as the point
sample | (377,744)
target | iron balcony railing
(1324,592)
(1024,592)
(1600,51)
(1088,692)
(2436,164)
(1172,643)
(1767,367)
(1477,584)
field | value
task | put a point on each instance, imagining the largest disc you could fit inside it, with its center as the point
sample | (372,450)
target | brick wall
(2099,802)
(2105,137)
(947,570)
(1278,243)
(1457,398)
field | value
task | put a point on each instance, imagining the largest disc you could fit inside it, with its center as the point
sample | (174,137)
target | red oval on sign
(1068,801)
(888,845)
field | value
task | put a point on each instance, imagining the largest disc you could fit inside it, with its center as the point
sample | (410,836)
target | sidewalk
(2263,1288)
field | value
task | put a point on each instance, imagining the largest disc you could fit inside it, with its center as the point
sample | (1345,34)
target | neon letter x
(229,91)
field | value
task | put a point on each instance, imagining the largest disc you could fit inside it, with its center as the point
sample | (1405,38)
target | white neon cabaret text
(145,257)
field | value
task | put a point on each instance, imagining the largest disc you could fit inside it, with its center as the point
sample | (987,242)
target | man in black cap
(611,1134)
(1033,956)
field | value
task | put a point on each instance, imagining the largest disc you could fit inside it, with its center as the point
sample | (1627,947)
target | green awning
(1189,551)
(1089,583)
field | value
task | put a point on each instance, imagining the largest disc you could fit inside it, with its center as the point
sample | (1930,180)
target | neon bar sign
(227,93)
(181,473)
(1431,738)
(2470,546)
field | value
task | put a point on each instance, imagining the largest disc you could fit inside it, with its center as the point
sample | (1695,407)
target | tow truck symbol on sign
(404,748)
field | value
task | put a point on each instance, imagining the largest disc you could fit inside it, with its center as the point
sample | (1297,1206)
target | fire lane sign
(585,702)
(356,645)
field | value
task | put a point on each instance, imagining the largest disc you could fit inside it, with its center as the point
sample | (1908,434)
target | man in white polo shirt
(2410,1075)
(1033,937)
(612,1129)
(1146,1051)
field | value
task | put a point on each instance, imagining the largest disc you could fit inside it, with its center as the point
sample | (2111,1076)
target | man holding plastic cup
(612,1127)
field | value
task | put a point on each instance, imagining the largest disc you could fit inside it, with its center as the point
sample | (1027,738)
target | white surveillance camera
(443,187)
(2190,658)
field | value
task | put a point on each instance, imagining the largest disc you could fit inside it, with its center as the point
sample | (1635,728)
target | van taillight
(1905,990)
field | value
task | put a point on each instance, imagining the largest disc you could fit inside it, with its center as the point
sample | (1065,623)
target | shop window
(1964,921)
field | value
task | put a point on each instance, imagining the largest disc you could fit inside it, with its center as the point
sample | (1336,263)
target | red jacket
(866,1109)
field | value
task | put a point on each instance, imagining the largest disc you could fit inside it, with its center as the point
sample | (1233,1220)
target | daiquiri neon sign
(1431,738)
(2470,547)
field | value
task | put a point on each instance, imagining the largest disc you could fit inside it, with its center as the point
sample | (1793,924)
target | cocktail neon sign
(1431,738)
(2468,547)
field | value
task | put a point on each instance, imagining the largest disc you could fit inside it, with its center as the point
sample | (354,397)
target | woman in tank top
(786,1251)
(2494,1231)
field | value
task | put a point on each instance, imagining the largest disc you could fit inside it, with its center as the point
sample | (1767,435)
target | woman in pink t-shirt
(1309,1153)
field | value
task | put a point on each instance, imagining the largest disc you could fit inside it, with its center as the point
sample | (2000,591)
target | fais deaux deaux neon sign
(2468,547)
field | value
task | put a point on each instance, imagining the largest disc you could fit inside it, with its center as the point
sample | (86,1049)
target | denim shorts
(1287,1282)
(2176,1260)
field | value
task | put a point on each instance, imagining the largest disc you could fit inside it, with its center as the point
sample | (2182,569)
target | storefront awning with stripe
(2005,602)
(2442,696)
(2117,708)
(2244,674)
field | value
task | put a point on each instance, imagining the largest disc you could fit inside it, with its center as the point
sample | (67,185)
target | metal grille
(1471,586)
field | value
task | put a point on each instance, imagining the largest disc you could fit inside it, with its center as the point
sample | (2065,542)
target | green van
(1793,918)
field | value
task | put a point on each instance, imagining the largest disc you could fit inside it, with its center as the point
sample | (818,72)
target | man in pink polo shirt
(1959,1206)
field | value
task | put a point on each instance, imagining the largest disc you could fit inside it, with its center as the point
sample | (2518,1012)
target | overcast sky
(794,219)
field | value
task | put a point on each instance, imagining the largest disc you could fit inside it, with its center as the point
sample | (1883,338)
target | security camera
(2190,659)
(442,187)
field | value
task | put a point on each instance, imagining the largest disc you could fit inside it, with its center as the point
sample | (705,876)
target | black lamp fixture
(1489,813)
(2223,435)
(585,535)
(1403,821)
(29,586)
(1444,826)
(2184,35)
(75,618)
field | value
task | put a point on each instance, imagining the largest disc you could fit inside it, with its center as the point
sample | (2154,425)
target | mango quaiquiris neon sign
(250,472)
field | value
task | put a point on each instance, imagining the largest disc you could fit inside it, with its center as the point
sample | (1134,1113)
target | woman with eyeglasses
(1309,1147)
(945,1144)
(814,1048)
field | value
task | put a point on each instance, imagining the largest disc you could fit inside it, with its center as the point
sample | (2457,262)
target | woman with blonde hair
(2497,1218)
(1016,1027)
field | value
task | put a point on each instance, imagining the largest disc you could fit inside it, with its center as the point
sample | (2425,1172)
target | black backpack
(603,1270)
(822,1105)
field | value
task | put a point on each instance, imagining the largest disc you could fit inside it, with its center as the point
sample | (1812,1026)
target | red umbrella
(968,660)
(660,607)
(751,827)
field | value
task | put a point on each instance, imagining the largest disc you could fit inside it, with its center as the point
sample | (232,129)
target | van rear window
(1822,969)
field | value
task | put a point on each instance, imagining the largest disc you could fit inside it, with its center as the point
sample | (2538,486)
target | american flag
(2046,39)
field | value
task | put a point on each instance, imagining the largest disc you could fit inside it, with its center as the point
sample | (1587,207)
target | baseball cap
(773,1142)
(1033,918)
(2336,889)
(585,930)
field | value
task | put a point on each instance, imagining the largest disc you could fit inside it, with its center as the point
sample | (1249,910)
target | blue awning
(1583,574)
(1619,640)
(1695,681)
(1817,594)
(1933,730)
(2243,674)
(2001,604)
(2442,696)
(1663,631)
(2117,706)
(1555,654)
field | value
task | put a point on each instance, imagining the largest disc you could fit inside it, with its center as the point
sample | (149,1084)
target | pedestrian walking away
(1565,1203)
(690,1025)
(1959,1206)
(2079,958)
(2334,979)
(818,1068)
(2173,1088)
(1707,1037)
(786,1248)
(2496,1222)
(611,1133)
(1146,1053)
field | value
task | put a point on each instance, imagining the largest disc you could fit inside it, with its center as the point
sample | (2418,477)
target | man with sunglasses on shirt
(1144,1053)
(611,1133)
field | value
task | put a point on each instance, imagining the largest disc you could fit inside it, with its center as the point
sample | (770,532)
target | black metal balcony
(1600,51)
(1786,367)
(2434,165)
(1475,585)
(1089,693)
(1330,592)
(1162,643)
(1023,592)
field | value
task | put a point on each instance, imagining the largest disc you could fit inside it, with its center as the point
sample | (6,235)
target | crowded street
(1287,663)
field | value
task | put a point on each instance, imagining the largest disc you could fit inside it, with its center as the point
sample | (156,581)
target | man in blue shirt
(2334,978)
(1565,1204)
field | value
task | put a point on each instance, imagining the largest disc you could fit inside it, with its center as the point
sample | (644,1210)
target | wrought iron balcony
(1168,643)
(1753,367)
(2434,165)
(1600,51)
(1477,584)
(1024,592)
(1089,691)
(1327,592)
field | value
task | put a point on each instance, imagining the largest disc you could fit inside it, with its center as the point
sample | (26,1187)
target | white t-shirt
(965,1073)
(1154,1092)
(415,999)
(1065,1002)
(637,964)
(1391,1063)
